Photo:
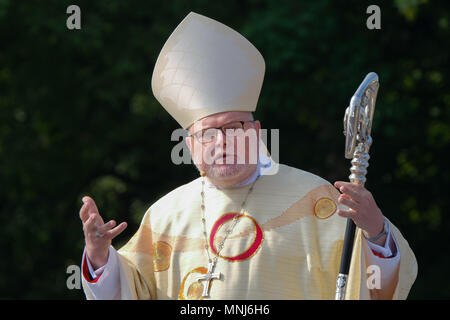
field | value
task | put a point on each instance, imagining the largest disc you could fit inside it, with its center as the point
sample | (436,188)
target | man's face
(225,156)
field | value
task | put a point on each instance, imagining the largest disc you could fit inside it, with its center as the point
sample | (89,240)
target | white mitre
(206,68)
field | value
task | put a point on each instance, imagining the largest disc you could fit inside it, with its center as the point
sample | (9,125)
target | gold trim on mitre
(204,68)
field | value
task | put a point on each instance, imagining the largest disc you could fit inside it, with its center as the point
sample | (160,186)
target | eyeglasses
(232,129)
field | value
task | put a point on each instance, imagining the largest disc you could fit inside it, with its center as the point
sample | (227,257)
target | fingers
(358,193)
(111,234)
(106,227)
(339,184)
(349,202)
(92,207)
(84,213)
(356,188)
(92,223)
(349,190)
(348,198)
(88,208)
(351,214)
(106,230)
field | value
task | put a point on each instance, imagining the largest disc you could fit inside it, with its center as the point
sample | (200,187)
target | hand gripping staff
(357,126)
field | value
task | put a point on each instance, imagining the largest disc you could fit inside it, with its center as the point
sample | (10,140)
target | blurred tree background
(77,117)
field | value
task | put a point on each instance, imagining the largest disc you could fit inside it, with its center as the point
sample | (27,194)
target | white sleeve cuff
(107,286)
(96,273)
(389,250)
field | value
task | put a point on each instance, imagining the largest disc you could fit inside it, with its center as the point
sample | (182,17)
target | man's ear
(189,143)
(257,126)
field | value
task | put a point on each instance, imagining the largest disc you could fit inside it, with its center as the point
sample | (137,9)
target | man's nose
(221,138)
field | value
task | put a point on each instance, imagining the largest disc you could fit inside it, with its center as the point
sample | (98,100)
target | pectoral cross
(208,277)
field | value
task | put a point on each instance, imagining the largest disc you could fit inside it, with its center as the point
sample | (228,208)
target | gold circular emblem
(161,256)
(195,289)
(324,208)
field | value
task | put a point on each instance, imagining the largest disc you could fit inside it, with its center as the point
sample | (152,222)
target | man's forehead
(223,118)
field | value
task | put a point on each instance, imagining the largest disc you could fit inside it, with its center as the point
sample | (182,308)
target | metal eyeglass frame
(219,128)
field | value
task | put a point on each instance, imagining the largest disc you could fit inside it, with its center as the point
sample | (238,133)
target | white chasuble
(286,244)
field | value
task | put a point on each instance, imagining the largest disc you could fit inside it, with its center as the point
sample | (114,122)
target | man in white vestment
(248,227)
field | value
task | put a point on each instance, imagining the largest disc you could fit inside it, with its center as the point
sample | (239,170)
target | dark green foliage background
(77,117)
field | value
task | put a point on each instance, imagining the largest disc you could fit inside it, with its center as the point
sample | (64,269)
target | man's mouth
(226,159)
